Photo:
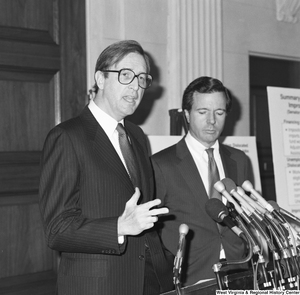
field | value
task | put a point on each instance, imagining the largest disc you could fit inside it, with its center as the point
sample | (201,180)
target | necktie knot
(121,130)
(210,152)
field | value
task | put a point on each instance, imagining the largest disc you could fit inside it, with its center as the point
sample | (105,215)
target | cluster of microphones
(273,244)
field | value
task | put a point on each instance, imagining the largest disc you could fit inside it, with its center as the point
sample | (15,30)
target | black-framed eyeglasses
(126,76)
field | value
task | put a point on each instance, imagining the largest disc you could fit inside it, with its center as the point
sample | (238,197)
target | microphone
(260,200)
(294,236)
(183,230)
(285,212)
(254,204)
(272,225)
(220,187)
(232,189)
(247,205)
(247,186)
(259,212)
(281,239)
(235,216)
(219,213)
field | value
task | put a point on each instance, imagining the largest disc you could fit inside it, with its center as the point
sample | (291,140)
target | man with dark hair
(96,188)
(182,179)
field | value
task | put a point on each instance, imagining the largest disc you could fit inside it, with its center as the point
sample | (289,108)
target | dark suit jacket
(180,187)
(83,190)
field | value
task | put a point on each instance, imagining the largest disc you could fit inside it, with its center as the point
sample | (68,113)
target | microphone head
(215,208)
(229,184)
(219,186)
(247,186)
(240,191)
(183,229)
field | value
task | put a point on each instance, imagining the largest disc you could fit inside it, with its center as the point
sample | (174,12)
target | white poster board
(246,144)
(284,113)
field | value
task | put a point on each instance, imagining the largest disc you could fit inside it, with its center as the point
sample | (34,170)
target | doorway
(265,72)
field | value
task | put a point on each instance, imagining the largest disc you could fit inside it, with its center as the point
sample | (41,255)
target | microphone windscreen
(214,208)
(247,186)
(183,229)
(229,184)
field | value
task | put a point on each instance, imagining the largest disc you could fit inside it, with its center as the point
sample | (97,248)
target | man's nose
(211,118)
(134,83)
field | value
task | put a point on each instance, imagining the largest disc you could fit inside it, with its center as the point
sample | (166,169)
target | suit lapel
(103,148)
(190,173)
(230,166)
(142,160)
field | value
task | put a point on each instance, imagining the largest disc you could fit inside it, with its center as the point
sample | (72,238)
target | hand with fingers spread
(137,218)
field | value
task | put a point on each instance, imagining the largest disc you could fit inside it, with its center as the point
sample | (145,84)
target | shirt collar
(198,146)
(108,123)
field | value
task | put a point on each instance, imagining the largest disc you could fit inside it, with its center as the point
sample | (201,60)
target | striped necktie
(128,155)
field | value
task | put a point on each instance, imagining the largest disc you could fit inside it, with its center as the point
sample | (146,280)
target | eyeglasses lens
(126,76)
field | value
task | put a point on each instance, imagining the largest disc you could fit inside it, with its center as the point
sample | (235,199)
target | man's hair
(114,53)
(204,85)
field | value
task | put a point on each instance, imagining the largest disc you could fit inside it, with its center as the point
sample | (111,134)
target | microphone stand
(178,288)
(291,240)
(217,266)
(177,282)
(276,230)
(183,230)
(256,249)
(252,221)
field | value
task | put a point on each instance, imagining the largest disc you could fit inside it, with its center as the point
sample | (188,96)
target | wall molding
(194,44)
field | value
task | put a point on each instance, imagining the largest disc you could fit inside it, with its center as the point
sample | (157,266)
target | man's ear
(187,115)
(99,78)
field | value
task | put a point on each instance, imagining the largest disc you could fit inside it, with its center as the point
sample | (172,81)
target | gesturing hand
(137,218)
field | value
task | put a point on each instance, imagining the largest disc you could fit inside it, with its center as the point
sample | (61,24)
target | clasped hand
(137,218)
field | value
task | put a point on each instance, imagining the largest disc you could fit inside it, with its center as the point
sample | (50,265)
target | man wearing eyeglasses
(96,188)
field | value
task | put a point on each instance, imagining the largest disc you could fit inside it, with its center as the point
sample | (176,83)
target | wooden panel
(26,35)
(42,59)
(42,283)
(23,249)
(73,57)
(20,74)
(19,173)
(30,116)
(28,55)
(34,14)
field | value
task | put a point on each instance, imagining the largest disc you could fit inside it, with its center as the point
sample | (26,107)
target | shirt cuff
(121,240)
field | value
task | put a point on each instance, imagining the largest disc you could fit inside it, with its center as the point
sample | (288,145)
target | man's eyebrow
(205,108)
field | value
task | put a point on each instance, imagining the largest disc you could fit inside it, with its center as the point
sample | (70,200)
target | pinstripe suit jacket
(179,185)
(83,190)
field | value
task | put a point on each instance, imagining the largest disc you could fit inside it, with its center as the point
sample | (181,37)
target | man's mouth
(130,98)
(210,130)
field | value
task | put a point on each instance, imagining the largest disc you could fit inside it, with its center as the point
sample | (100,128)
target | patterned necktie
(213,175)
(128,155)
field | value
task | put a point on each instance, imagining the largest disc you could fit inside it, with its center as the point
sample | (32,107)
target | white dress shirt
(109,125)
(200,157)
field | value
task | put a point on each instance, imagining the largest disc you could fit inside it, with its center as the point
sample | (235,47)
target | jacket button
(141,257)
